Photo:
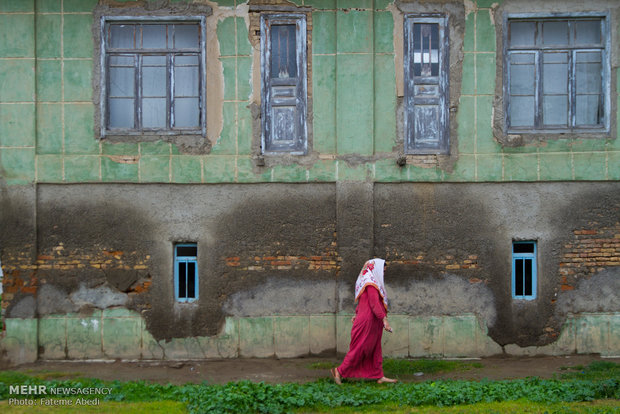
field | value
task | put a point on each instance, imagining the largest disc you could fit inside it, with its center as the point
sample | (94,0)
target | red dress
(365,359)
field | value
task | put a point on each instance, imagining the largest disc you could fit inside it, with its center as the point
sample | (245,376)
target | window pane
(589,76)
(187,251)
(555,73)
(519,277)
(153,36)
(555,33)
(121,82)
(283,48)
(154,81)
(122,60)
(522,79)
(186,36)
(523,248)
(154,112)
(122,36)
(186,60)
(191,280)
(121,113)
(589,110)
(186,81)
(182,271)
(154,60)
(186,112)
(588,32)
(522,33)
(527,277)
(426,49)
(522,111)
(555,110)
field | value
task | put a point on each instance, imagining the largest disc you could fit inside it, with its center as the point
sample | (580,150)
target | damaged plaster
(278,296)
(101,297)
(458,296)
(599,293)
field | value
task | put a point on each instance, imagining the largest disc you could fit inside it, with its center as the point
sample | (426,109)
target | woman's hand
(386,325)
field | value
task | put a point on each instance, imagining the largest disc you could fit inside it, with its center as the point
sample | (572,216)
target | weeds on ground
(595,371)
(158,407)
(510,407)
(409,367)
(250,397)
(52,375)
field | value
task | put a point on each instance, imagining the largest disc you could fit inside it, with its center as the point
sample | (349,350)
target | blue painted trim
(523,256)
(185,259)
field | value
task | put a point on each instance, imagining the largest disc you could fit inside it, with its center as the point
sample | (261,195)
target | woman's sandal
(336,376)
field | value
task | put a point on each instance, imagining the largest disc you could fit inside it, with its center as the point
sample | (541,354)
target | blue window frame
(186,272)
(524,270)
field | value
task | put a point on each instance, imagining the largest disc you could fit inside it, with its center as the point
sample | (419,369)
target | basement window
(153,76)
(524,270)
(186,272)
(426,73)
(283,92)
(557,74)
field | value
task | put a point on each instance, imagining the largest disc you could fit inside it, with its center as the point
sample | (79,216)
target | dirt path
(288,370)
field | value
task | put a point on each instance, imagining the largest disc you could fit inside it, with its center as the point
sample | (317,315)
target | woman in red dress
(365,359)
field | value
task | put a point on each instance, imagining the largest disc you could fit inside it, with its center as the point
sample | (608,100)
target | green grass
(408,367)
(510,407)
(595,371)
(51,375)
(248,397)
(158,407)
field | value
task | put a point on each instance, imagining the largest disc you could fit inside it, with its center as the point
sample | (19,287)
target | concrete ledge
(121,334)
(590,333)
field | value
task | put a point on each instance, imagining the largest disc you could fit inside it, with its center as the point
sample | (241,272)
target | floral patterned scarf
(371,274)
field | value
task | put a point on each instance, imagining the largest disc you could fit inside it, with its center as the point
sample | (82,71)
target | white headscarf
(371,274)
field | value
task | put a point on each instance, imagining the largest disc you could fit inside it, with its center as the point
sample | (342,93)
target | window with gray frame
(153,76)
(283,73)
(426,71)
(556,74)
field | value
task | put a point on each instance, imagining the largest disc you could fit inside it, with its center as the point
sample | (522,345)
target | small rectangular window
(186,272)
(524,270)
(153,76)
(283,72)
(557,74)
(426,85)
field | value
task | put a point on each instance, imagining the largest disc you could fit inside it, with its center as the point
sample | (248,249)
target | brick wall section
(448,262)
(592,250)
(60,259)
(19,274)
(323,262)
(329,260)
(23,276)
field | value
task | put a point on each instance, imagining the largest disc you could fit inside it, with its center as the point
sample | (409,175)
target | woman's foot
(386,380)
(336,376)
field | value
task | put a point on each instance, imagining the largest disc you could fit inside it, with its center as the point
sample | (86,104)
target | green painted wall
(118,333)
(46,107)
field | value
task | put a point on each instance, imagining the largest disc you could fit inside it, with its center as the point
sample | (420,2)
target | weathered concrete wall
(87,225)
(114,244)
(430,234)
(118,333)
(295,249)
